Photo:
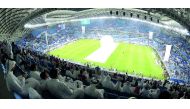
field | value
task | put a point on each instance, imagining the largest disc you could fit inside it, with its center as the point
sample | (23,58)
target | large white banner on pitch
(106,49)
(167,52)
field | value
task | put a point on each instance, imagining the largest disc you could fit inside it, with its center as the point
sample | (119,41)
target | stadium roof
(14,19)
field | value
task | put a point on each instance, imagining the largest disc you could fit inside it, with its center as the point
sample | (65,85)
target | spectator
(107,83)
(44,78)
(118,86)
(13,83)
(82,77)
(60,89)
(34,73)
(18,85)
(126,88)
(68,72)
(93,91)
(76,72)
(145,92)
(154,93)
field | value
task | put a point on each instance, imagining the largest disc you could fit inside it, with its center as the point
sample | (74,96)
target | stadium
(95,53)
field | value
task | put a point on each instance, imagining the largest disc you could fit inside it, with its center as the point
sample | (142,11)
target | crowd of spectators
(33,74)
(130,31)
(43,38)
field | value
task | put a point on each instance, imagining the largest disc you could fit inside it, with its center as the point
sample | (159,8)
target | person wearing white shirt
(168,85)
(44,78)
(69,82)
(86,74)
(145,84)
(34,73)
(118,86)
(33,94)
(18,85)
(126,88)
(107,83)
(69,73)
(92,91)
(13,83)
(154,93)
(145,92)
(60,89)
(102,76)
(33,83)
(76,72)
(140,83)
(60,77)
(79,84)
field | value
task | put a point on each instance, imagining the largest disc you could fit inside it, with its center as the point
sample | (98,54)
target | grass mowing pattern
(77,51)
(126,57)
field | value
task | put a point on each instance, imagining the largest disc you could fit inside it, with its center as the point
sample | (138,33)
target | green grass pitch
(131,58)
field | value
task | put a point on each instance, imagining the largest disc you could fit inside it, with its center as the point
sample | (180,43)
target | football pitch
(131,58)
